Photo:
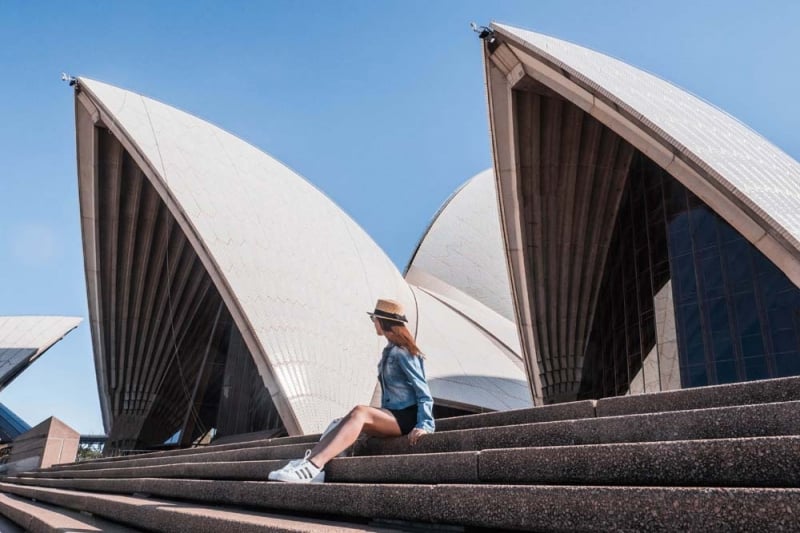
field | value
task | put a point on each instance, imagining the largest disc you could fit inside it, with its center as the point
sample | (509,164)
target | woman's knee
(360,412)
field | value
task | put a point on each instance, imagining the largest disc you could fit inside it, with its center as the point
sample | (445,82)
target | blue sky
(379,104)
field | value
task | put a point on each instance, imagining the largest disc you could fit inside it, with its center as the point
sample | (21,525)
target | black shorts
(406,418)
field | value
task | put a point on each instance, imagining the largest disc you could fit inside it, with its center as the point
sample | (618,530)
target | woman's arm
(412,367)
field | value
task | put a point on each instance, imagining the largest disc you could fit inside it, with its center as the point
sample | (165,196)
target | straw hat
(389,310)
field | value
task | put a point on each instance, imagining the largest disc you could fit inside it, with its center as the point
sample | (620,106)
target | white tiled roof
(743,162)
(463,245)
(466,364)
(24,338)
(301,271)
(460,280)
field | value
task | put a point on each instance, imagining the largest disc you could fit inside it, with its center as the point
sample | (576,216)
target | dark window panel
(698,375)
(747,320)
(703,228)
(752,345)
(684,279)
(695,354)
(718,314)
(737,316)
(723,346)
(787,364)
(784,340)
(780,319)
(756,368)
(680,241)
(729,235)
(726,372)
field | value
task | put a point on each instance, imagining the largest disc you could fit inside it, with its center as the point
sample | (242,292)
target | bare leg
(372,421)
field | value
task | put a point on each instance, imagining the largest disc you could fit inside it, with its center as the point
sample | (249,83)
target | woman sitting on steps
(406,402)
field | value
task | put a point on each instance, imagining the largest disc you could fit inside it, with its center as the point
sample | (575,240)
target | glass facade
(737,316)
(736,312)
(11,425)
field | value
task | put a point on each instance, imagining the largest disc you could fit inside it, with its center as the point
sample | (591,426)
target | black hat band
(390,316)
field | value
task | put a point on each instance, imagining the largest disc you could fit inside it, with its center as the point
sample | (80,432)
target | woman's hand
(415,434)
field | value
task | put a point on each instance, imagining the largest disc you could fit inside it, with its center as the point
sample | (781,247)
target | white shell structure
(295,272)
(23,339)
(460,280)
(468,366)
(742,176)
(463,246)
(561,177)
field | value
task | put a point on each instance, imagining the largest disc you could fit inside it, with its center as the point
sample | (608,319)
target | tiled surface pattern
(464,245)
(460,280)
(304,273)
(24,338)
(755,171)
(466,365)
(298,267)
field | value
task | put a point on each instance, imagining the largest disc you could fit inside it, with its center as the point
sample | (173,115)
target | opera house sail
(23,340)
(630,238)
(653,240)
(227,294)
(459,278)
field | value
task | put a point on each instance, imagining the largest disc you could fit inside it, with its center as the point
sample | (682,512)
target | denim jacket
(403,384)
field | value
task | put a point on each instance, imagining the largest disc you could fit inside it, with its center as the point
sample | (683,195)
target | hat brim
(390,319)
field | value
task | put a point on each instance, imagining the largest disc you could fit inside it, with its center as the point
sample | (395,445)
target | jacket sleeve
(413,369)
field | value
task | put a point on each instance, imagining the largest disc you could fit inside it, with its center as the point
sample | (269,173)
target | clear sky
(379,104)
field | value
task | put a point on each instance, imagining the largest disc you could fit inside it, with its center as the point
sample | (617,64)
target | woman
(406,402)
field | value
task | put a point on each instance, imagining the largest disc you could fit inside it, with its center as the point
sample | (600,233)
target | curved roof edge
(150,131)
(23,339)
(503,330)
(737,172)
(468,364)
(463,246)
(435,218)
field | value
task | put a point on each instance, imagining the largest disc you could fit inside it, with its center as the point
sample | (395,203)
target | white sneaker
(299,471)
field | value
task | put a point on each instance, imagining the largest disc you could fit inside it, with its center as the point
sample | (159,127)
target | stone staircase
(723,458)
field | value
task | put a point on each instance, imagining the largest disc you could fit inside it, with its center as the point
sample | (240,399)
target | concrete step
(748,393)
(750,462)
(723,422)
(566,411)
(40,518)
(246,437)
(754,392)
(281,441)
(759,420)
(511,507)
(7,526)
(546,413)
(289,451)
(164,515)
(457,467)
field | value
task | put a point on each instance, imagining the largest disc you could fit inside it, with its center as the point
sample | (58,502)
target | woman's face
(378,328)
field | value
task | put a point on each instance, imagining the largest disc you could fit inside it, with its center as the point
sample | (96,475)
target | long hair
(397,333)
